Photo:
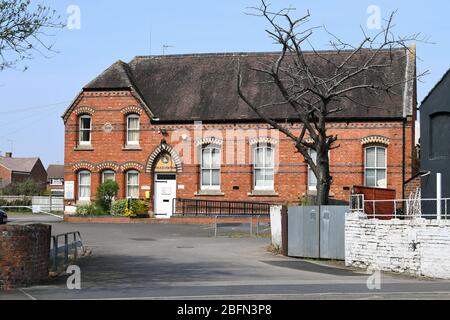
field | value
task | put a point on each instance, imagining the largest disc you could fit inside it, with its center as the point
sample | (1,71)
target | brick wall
(5,177)
(347,162)
(418,247)
(24,255)
(411,186)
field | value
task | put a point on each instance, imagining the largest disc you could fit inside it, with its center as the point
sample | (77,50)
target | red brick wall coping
(174,220)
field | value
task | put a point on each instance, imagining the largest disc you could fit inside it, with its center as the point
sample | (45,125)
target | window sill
(84,148)
(209,193)
(132,148)
(263,193)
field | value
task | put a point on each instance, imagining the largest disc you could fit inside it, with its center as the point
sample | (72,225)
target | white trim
(127,185)
(211,169)
(138,130)
(310,172)
(264,168)
(109,171)
(85,185)
(81,130)
(376,167)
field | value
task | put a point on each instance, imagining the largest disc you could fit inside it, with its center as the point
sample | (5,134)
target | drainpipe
(404,162)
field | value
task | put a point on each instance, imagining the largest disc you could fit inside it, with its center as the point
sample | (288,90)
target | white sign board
(69,190)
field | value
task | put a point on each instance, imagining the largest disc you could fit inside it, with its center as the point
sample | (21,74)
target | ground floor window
(375,167)
(108,175)
(84,185)
(264,168)
(132,181)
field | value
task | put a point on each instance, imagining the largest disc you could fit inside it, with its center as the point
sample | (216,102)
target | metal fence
(401,208)
(317,232)
(195,207)
(233,225)
(51,204)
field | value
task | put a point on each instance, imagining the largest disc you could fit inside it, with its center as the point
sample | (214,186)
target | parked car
(3,217)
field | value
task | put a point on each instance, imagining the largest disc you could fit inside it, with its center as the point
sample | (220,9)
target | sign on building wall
(69,190)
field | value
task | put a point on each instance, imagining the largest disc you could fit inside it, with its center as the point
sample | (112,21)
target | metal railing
(401,208)
(236,223)
(33,210)
(196,207)
(72,241)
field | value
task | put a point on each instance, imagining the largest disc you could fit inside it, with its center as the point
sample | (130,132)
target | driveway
(186,262)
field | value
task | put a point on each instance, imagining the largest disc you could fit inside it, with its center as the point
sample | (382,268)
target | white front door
(165,194)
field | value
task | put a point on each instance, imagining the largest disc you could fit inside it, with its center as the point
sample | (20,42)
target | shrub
(26,188)
(89,210)
(106,192)
(129,208)
(139,207)
(118,207)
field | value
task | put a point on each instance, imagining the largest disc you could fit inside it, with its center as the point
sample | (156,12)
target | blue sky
(32,102)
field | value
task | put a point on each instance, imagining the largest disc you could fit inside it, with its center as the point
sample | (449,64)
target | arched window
(263,167)
(85,128)
(108,175)
(375,167)
(132,184)
(84,185)
(210,167)
(133,127)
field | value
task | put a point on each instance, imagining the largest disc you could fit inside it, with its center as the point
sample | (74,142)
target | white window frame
(211,169)
(81,129)
(133,116)
(108,171)
(84,185)
(127,188)
(310,172)
(264,168)
(376,167)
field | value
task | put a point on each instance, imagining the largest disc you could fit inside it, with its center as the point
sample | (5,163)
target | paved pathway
(186,262)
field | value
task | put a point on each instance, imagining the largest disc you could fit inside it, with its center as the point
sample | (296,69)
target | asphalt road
(186,262)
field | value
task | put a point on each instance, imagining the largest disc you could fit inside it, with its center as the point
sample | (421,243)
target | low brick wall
(173,220)
(417,247)
(24,255)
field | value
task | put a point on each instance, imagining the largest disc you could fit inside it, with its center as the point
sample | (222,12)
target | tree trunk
(323,178)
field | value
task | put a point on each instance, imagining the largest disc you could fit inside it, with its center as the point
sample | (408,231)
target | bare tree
(314,95)
(23,30)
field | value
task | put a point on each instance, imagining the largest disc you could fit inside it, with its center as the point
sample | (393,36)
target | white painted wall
(275,225)
(418,247)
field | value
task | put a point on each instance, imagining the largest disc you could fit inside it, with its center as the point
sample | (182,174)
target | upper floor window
(375,167)
(264,167)
(108,175)
(133,129)
(84,185)
(85,130)
(210,167)
(132,187)
(312,179)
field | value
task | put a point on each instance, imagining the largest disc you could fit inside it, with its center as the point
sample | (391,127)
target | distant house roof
(203,87)
(55,171)
(24,165)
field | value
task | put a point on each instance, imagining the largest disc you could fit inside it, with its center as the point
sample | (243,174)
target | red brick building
(17,170)
(139,123)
